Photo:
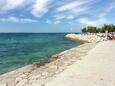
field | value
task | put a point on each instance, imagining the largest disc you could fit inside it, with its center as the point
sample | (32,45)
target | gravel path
(96,69)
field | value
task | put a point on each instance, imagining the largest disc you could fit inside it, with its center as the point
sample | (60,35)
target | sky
(54,15)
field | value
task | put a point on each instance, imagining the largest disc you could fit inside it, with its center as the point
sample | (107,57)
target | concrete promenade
(97,68)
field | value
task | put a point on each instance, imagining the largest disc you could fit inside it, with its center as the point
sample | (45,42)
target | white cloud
(52,22)
(48,21)
(57,22)
(9,19)
(7,5)
(40,7)
(73,9)
(108,9)
(71,23)
(17,20)
(70,17)
(97,22)
(58,17)
(72,5)
(72,14)
(27,20)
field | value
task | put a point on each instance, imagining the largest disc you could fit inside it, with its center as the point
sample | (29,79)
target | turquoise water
(20,49)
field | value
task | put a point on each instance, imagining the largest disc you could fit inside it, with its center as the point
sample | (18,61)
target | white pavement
(96,69)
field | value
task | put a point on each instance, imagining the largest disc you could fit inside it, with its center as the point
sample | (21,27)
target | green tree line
(92,29)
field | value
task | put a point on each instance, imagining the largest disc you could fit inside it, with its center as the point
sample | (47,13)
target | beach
(57,43)
(42,73)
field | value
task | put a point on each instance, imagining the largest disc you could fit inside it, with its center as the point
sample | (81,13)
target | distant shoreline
(36,32)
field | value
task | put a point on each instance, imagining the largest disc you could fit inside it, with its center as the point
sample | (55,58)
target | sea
(20,49)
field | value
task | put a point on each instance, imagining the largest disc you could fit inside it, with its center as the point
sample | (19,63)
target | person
(106,34)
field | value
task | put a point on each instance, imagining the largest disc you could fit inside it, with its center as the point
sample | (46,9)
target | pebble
(17,80)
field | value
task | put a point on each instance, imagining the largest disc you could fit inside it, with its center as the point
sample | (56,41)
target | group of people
(111,36)
(107,35)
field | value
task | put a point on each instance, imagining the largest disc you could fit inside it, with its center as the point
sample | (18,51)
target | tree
(92,29)
(84,30)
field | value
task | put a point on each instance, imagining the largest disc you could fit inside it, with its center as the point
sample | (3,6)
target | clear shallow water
(20,49)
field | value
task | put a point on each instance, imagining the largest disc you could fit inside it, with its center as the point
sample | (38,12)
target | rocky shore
(39,74)
(86,37)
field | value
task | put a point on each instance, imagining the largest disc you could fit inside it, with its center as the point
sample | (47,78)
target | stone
(44,73)
(54,67)
(22,83)
(34,77)
(28,85)
(23,76)
(3,84)
(18,80)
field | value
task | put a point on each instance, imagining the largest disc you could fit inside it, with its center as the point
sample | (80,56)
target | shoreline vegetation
(94,29)
(39,74)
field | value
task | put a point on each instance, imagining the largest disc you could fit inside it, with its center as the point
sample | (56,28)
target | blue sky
(54,15)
